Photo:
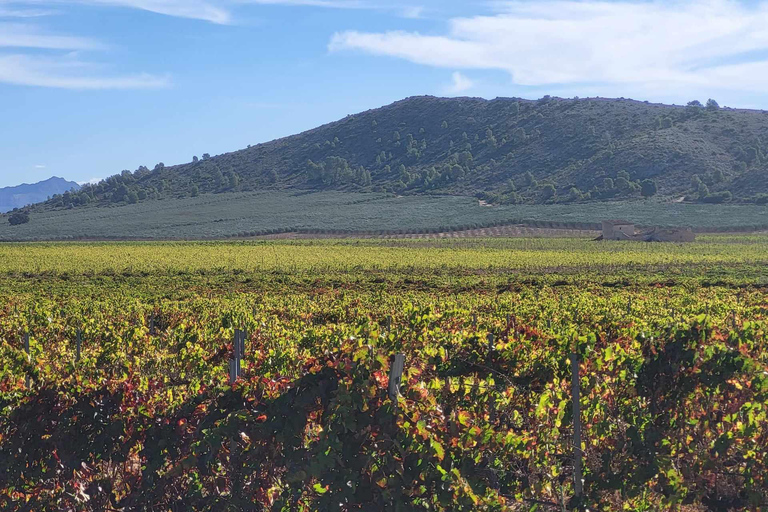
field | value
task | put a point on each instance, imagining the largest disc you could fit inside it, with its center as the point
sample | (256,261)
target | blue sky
(91,87)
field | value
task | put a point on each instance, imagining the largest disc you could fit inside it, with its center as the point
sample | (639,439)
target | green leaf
(438,448)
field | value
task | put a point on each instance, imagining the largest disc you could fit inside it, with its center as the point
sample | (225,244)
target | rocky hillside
(504,151)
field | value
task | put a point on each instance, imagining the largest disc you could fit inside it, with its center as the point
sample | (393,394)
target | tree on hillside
(120,193)
(648,188)
(720,197)
(18,218)
(465,159)
(623,184)
(574,194)
(695,182)
(548,191)
(712,105)
(664,122)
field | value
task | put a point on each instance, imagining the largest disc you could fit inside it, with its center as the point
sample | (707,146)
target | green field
(671,341)
(248,214)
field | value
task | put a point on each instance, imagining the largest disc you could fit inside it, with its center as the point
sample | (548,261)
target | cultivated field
(216,216)
(139,414)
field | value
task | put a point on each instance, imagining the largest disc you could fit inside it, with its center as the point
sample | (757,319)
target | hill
(26,194)
(506,151)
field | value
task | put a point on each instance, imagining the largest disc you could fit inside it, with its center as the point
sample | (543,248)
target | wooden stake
(396,376)
(491,399)
(29,357)
(575,392)
(238,351)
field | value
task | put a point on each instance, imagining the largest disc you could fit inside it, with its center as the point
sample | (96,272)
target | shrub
(18,218)
(719,197)
(649,188)
(548,191)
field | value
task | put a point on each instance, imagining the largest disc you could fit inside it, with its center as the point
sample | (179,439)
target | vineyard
(115,389)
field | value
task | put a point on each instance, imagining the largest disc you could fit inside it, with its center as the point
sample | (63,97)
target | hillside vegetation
(506,151)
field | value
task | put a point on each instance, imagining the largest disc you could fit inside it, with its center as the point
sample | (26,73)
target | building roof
(619,222)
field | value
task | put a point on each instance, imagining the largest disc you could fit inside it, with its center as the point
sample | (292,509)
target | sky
(89,88)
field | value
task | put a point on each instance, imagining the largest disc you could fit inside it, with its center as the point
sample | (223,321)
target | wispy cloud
(215,12)
(19,35)
(6,12)
(335,4)
(69,73)
(683,44)
(220,11)
(64,71)
(413,12)
(459,84)
(61,64)
(403,10)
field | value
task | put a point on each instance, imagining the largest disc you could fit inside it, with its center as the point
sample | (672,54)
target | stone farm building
(618,230)
(623,230)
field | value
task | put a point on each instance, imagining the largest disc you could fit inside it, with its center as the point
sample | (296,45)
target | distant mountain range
(26,194)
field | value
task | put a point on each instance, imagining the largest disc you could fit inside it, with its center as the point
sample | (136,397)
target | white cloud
(24,13)
(92,181)
(219,11)
(459,84)
(213,11)
(413,12)
(61,65)
(68,73)
(405,11)
(335,4)
(40,166)
(641,45)
(195,9)
(17,35)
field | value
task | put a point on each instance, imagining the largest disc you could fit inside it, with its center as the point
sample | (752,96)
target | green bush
(719,197)
(18,218)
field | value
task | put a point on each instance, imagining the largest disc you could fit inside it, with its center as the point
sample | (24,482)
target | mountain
(26,194)
(504,151)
